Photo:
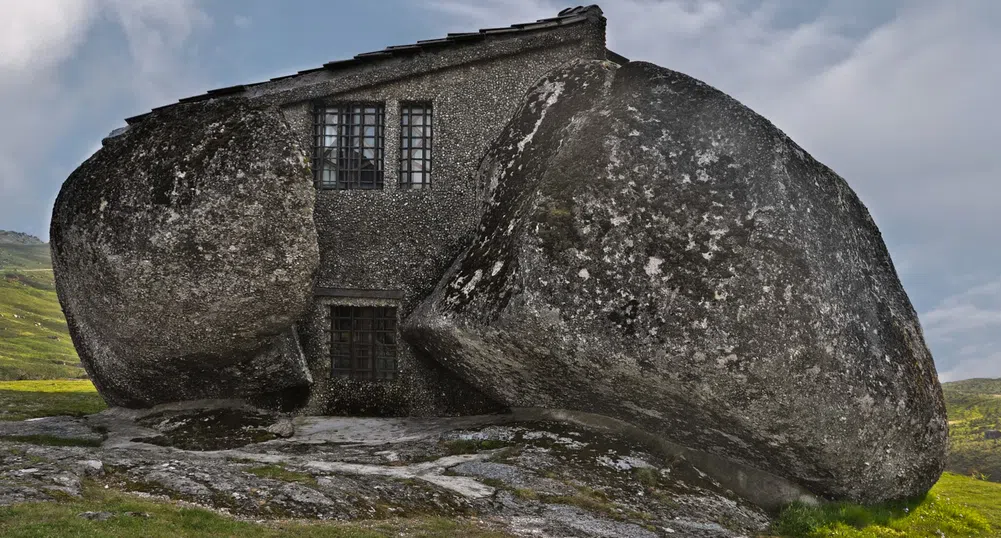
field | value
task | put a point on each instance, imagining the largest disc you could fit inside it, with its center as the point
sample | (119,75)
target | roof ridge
(566,17)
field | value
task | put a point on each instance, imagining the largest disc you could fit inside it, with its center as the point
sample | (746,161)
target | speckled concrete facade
(403,240)
(386,247)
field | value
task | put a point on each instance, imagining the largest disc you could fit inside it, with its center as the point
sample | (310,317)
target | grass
(957,506)
(985,497)
(169,520)
(34,338)
(647,476)
(472,446)
(974,406)
(590,500)
(35,256)
(20,400)
(278,472)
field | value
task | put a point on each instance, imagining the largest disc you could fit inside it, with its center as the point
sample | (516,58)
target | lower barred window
(363,341)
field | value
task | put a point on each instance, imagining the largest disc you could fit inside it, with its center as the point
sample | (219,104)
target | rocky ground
(526,478)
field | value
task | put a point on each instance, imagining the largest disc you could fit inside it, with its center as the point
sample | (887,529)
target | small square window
(348,146)
(415,145)
(363,342)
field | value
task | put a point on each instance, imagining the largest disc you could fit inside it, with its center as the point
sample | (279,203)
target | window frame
(405,180)
(370,350)
(351,176)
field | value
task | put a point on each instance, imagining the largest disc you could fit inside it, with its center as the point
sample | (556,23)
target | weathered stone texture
(654,251)
(404,240)
(183,249)
(522,478)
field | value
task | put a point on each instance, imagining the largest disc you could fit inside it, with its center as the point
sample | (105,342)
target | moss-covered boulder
(654,251)
(184,251)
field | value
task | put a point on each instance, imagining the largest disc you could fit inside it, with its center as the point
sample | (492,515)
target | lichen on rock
(654,251)
(183,251)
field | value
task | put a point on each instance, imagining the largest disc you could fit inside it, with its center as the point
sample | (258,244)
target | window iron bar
(416,138)
(349,146)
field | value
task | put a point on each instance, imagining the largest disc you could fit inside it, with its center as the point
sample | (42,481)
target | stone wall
(404,240)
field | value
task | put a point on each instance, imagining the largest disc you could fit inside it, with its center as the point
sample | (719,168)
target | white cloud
(50,82)
(966,324)
(155,31)
(465,14)
(966,368)
(242,21)
(37,34)
(34,38)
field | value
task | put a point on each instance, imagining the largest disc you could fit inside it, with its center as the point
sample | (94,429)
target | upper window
(349,146)
(363,341)
(415,145)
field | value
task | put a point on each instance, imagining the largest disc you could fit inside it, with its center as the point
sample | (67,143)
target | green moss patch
(278,472)
(472,446)
(950,509)
(20,400)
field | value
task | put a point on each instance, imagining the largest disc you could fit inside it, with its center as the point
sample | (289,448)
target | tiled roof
(565,17)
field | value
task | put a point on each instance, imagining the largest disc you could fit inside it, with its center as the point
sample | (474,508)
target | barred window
(415,145)
(348,146)
(363,341)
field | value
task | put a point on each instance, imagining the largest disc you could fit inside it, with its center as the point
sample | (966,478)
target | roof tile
(565,17)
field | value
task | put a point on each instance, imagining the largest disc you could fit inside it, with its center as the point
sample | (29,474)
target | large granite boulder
(184,252)
(656,252)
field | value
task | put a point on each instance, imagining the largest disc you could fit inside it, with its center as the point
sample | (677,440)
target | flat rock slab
(64,428)
(531,478)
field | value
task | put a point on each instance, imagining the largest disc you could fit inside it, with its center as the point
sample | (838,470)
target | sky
(899,97)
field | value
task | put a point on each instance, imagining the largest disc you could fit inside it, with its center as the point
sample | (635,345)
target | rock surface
(522,478)
(184,250)
(654,251)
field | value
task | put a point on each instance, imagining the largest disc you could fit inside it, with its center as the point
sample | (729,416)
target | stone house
(508,218)
(397,136)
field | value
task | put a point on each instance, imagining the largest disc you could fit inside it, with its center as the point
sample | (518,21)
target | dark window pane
(415,145)
(363,342)
(354,134)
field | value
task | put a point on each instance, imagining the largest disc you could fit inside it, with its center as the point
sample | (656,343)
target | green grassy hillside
(34,340)
(974,406)
(29,257)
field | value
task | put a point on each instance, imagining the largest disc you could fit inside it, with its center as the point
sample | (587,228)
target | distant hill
(23,251)
(34,340)
(18,238)
(977,385)
(974,407)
